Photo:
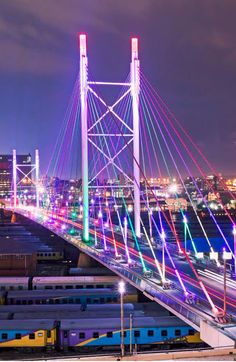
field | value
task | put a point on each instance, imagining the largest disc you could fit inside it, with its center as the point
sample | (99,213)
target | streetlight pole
(130,333)
(224,286)
(122,291)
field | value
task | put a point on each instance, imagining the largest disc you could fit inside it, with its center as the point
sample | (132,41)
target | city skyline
(41,58)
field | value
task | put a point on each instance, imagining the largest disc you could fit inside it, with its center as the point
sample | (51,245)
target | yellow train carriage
(27,334)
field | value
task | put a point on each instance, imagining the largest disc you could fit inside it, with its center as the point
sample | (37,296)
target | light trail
(191,281)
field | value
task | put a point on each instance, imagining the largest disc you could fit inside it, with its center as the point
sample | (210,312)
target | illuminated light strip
(130,222)
(140,254)
(179,244)
(145,109)
(112,231)
(127,253)
(187,257)
(149,260)
(58,145)
(193,282)
(178,276)
(95,111)
(190,138)
(153,253)
(169,270)
(200,170)
(147,237)
(218,278)
(170,153)
(214,309)
(189,261)
(95,115)
(66,145)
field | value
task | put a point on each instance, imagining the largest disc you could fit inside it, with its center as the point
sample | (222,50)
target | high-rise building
(6,173)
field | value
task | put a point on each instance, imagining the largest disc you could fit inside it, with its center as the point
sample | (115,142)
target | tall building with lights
(6,173)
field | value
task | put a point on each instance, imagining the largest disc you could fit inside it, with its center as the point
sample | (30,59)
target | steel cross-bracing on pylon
(32,176)
(132,133)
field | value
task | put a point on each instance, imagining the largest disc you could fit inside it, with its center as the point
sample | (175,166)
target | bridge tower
(131,133)
(32,175)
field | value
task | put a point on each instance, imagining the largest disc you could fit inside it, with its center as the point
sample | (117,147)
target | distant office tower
(6,173)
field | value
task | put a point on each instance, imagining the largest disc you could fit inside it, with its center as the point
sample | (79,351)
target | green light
(74,215)
(72,231)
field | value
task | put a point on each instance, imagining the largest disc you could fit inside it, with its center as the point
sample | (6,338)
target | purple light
(121,287)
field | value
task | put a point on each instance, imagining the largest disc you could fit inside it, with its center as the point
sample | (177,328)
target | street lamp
(122,291)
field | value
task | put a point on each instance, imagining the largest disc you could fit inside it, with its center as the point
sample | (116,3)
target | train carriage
(102,333)
(14,283)
(28,334)
(45,308)
(74,282)
(80,296)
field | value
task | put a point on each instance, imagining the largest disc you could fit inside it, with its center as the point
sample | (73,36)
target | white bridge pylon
(131,133)
(19,169)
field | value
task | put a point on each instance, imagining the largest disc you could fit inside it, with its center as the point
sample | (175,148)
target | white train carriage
(14,283)
(74,282)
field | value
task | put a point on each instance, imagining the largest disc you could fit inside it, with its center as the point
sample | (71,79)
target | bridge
(116,215)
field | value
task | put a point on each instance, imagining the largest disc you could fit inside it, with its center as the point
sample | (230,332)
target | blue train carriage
(79,296)
(146,331)
(31,334)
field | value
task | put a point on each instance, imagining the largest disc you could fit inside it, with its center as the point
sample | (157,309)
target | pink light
(82,44)
(134,47)
(121,287)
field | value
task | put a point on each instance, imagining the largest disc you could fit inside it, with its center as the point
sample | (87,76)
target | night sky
(187,50)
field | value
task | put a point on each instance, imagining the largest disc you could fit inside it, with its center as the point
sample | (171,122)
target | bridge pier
(216,337)
(85,261)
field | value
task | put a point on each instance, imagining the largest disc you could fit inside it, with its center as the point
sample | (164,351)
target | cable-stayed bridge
(117,216)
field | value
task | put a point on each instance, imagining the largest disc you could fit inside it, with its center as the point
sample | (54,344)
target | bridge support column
(85,261)
(84,133)
(135,88)
(215,337)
